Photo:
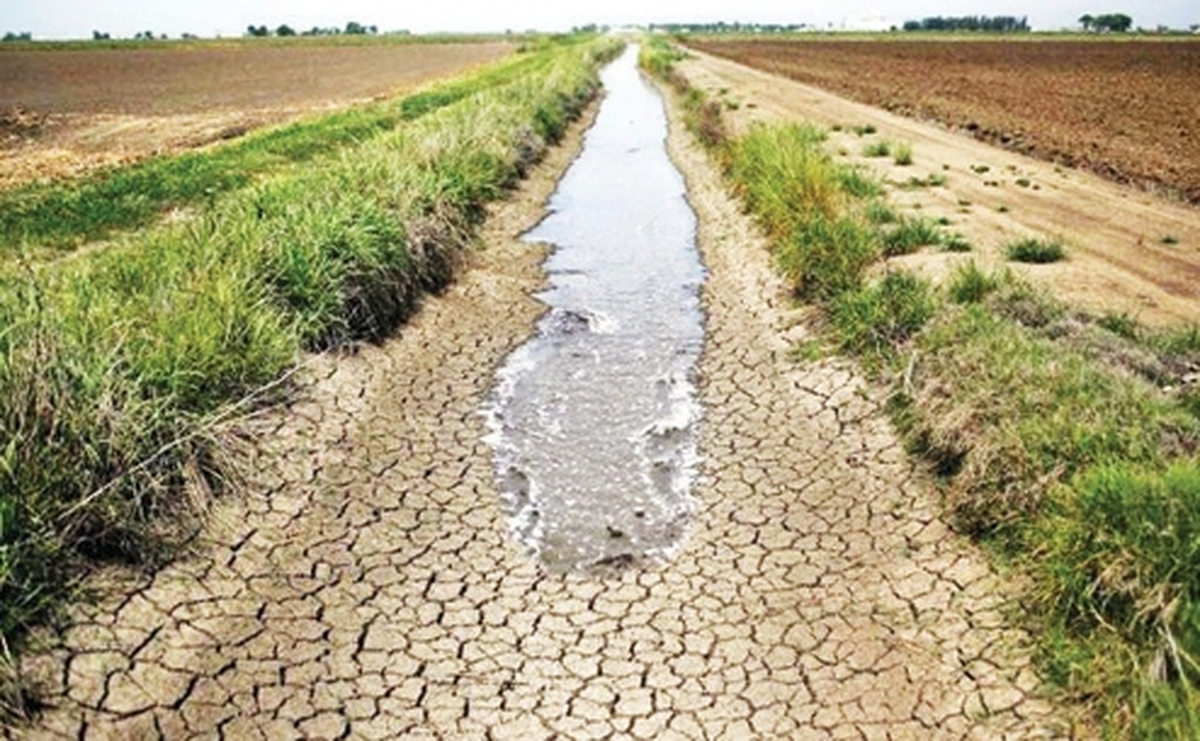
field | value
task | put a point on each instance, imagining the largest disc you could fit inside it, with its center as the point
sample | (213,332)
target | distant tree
(1087,21)
(285,30)
(355,29)
(188,36)
(144,36)
(257,31)
(1114,22)
(22,36)
(99,36)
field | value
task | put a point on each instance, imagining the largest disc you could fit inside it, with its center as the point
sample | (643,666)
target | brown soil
(367,584)
(65,112)
(1124,109)
(1128,250)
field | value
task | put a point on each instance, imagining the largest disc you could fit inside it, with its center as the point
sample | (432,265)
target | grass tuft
(880,148)
(956,243)
(910,235)
(970,285)
(1036,251)
(878,212)
(872,320)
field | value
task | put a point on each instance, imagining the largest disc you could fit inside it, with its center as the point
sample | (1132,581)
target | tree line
(991,24)
(1109,22)
(353,28)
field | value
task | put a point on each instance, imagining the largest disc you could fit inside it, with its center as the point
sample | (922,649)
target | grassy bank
(58,216)
(1065,443)
(114,366)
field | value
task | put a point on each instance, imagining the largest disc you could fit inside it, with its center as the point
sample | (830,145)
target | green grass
(875,318)
(935,180)
(1036,251)
(858,183)
(62,215)
(115,366)
(970,284)
(955,243)
(880,148)
(878,212)
(909,235)
(902,154)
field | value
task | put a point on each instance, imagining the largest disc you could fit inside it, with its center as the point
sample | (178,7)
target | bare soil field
(1127,251)
(1124,109)
(65,112)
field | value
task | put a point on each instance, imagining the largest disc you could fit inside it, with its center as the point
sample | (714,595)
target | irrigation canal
(593,420)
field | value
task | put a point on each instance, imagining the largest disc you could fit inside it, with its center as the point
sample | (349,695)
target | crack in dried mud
(367,585)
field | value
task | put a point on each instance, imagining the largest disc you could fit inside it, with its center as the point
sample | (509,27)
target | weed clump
(872,320)
(970,284)
(956,243)
(910,235)
(881,148)
(1036,251)
(825,257)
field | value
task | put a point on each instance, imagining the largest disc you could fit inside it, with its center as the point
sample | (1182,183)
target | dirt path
(1128,251)
(368,587)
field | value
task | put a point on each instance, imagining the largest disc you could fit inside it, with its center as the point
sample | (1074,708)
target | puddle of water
(593,420)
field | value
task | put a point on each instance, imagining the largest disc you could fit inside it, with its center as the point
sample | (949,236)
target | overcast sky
(78,18)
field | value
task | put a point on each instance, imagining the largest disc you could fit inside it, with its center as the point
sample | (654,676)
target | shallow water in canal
(593,420)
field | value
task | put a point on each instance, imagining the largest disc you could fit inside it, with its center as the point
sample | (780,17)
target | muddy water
(593,420)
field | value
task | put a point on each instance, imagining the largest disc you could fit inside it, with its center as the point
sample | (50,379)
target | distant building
(869,23)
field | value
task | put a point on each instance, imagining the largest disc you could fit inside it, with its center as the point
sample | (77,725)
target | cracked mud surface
(366,586)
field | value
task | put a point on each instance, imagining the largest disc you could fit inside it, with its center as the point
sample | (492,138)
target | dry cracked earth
(366,584)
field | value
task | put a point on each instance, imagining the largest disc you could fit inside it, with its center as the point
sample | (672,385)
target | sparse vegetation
(902,154)
(1073,455)
(935,180)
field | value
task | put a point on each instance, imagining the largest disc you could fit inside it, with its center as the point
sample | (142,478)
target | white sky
(78,18)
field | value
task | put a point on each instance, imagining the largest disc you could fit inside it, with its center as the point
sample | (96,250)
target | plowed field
(1125,109)
(68,111)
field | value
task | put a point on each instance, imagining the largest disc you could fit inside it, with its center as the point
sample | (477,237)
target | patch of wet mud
(593,420)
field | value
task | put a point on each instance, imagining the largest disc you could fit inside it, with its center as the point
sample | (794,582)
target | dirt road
(1128,251)
(367,585)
